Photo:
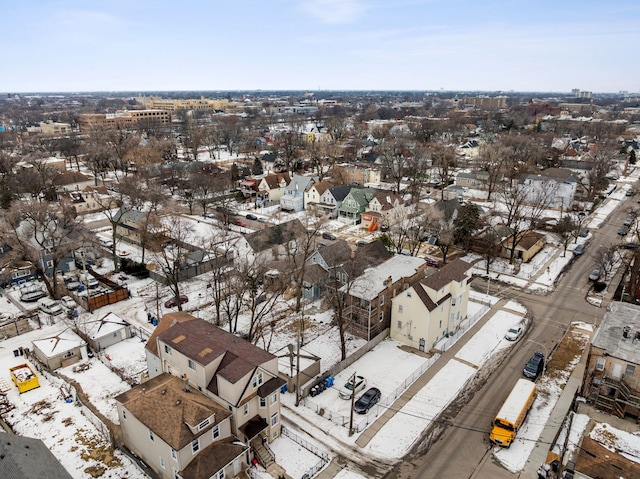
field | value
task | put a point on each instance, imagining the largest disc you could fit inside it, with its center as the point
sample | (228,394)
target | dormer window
(203,424)
(257,380)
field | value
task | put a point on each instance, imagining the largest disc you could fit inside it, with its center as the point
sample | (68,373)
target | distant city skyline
(413,45)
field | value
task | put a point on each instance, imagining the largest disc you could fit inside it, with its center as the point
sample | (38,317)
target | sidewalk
(552,427)
(422,381)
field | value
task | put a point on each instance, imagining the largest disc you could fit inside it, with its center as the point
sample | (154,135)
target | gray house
(293,198)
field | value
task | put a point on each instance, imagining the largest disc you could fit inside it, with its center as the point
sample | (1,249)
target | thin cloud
(335,11)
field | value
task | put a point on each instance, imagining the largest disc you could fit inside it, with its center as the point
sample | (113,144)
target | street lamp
(546,355)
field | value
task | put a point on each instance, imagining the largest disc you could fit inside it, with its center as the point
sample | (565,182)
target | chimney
(625,332)
(185,383)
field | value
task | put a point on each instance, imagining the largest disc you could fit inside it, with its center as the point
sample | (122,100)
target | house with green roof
(354,204)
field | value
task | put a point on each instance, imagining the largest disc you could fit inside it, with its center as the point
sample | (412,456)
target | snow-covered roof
(103,327)
(59,344)
(610,336)
(369,285)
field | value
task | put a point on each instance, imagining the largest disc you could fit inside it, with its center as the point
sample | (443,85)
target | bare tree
(513,198)
(566,229)
(443,158)
(45,234)
(171,251)
(607,258)
(491,159)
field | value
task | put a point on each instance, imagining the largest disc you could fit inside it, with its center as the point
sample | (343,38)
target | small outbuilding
(106,331)
(63,349)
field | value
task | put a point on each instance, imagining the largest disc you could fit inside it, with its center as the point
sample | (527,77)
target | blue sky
(488,45)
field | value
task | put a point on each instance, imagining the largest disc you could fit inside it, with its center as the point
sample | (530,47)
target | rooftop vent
(625,331)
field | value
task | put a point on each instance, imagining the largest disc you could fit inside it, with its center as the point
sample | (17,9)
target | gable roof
(162,405)
(340,192)
(374,280)
(387,199)
(275,235)
(595,460)
(321,186)
(204,342)
(59,344)
(336,253)
(273,180)
(301,183)
(454,271)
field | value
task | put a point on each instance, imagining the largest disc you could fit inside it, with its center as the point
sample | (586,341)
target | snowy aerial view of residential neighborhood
(340,239)
(311,290)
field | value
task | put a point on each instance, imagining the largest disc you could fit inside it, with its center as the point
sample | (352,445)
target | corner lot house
(369,296)
(429,310)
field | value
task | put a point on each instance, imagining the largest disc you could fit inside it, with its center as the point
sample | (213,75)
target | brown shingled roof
(454,271)
(165,408)
(165,323)
(203,342)
(213,458)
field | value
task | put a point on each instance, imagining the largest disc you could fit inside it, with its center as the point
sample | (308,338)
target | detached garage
(61,350)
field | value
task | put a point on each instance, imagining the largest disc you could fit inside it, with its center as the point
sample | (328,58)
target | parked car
(629,192)
(107,243)
(170,303)
(432,262)
(629,220)
(32,296)
(352,387)
(534,366)
(367,400)
(514,333)
(629,245)
(361,243)
(584,232)
(240,223)
(595,274)
(578,250)
(68,302)
(73,285)
(328,236)
(50,307)
(251,217)
(623,231)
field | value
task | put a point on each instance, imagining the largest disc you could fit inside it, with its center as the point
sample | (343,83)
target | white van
(50,307)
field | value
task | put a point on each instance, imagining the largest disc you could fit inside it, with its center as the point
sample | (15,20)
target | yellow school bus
(513,413)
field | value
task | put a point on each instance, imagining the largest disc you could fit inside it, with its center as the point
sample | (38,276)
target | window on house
(257,380)
(221,474)
(245,409)
(381,300)
(440,324)
(263,402)
(453,301)
(195,446)
(151,436)
(408,294)
(203,424)
(215,432)
(124,414)
(274,419)
(399,324)
(405,286)
(162,465)
(274,398)
(381,316)
(600,364)
(174,454)
(630,370)
(400,311)
(167,349)
(191,364)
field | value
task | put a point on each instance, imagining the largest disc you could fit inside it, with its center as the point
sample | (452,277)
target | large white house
(429,310)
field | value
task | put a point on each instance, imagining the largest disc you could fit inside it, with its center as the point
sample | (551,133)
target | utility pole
(353,397)
(298,369)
